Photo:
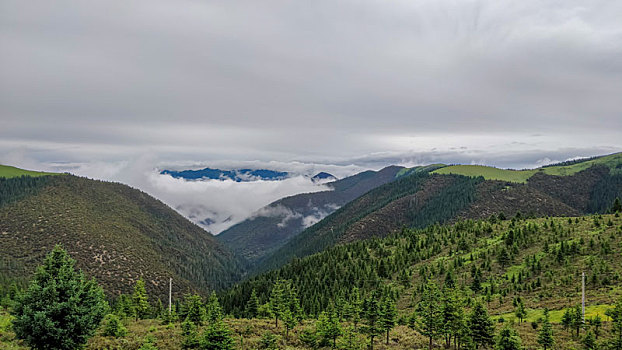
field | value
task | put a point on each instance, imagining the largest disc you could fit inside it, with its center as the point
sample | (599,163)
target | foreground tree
(616,325)
(508,339)
(62,308)
(545,335)
(428,317)
(140,300)
(481,327)
(372,312)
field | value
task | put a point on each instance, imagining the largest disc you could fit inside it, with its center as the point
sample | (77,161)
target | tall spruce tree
(616,325)
(371,313)
(252,305)
(278,300)
(140,300)
(61,309)
(480,326)
(388,318)
(545,335)
(428,316)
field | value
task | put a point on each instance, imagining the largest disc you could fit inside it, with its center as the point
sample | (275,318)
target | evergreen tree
(328,328)
(140,300)
(213,309)
(596,323)
(193,309)
(453,316)
(589,341)
(545,335)
(277,300)
(356,305)
(269,341)
(190,336)
(124,307)
(481,326)
(371,313)
(252,305)
(388,316)
(576,318)
(616,325)
(289,321)
(616,207)
(61,309)
(113,327)
(508,339)
(520,311)
(428,317)
(217,336)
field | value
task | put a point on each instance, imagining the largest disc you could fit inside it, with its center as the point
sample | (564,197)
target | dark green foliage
(62,308)
(217,336)
(16,188)
(389,315)
(428,317)
(309,338)
(371,318)
(252,305)
(481,326)
(113,327)
(508,339)
(545,335)
(213,309)
(141,301)
(193,309)
(328,328)
(269,341)
(616,325)
(589,341)
(520,311)
(190,335)
(604,194)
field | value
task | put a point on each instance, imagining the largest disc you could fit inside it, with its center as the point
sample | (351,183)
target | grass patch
(555,316)
(612,161)
(10,171)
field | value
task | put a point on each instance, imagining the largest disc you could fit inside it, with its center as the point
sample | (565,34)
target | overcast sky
(358,83)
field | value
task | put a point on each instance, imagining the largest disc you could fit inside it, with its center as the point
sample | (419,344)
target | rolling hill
(429,195)
(10,171)
(275,224)
(116,233)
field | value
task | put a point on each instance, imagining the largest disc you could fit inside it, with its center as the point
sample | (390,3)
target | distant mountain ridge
(275,224)
(427,195)
(240,175)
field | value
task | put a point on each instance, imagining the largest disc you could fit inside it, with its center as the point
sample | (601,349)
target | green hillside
(612,161)
(9,172)
(116,233)
(536,261)
(421,199)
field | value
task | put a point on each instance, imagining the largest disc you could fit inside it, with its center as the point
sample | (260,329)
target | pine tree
(508,339)
(252,305)
(481,326)
(113,327)
(371,313)
(428,317)
(328,328)
(356,306)
(277,301)
(289,320)
(190,336)
(140,300)
(589,341)
(616,325)
(545,335)
(217,336)
(213,309)
(616,207)
(389,315)
(453,316)
(61,308)
(193,309)
(576,320)
(596,323)
(520,312)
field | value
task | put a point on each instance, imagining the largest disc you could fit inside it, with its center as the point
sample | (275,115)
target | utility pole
(170,293)
(583,295)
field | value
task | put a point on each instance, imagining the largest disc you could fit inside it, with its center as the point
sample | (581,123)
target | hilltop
(10,171)
(116,233)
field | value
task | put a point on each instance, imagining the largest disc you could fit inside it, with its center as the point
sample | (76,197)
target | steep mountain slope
(278,222)
(116,233)
(420,198)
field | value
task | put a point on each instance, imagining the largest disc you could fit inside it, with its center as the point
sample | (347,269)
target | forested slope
(116,233)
